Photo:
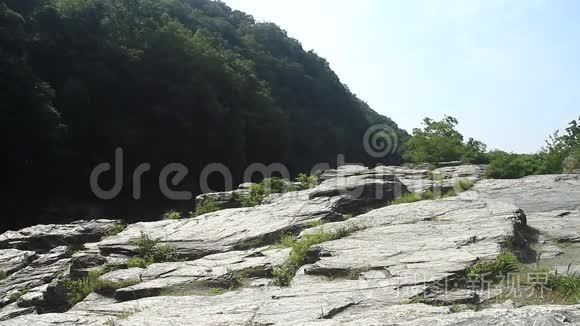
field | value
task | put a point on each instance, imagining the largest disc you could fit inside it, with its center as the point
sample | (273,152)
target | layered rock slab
(214,271)
(228,229)
(46,237)
(434,237)
(552,206)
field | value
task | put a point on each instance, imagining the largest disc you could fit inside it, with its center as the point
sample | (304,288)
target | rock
(39,272)
(416,178)
(448,176)
(230,229)
(359,192)
(247,307)
(530,315)
(123,276)
(391,315)
(552,206)
(46,237)
(11,311)
(33,298)
(227,199)
(82,263)
(12,260)
(388,257)
(343,172)
(458,296)
(215,271)
(91,301)
(450,163)
(431,238)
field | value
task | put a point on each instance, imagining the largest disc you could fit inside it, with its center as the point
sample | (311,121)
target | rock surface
(227,199)
(382,260)
(46,237)
(12,260)
(552,206)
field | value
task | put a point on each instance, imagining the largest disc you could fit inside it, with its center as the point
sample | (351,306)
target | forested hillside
(189,81)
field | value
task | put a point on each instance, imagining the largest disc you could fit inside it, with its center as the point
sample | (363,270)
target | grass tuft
(171,215)
(284,274)
(150,252)
(413,197)
(207,205)
(504,264)
(114,230)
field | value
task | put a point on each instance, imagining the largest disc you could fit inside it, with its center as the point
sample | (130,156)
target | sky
(508,70)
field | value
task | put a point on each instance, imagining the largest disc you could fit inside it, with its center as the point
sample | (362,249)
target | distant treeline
(439,141)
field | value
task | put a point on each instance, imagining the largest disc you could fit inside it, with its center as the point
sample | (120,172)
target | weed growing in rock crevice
(150,252)
(459,187)
(208,205)
(172,215)
(283,275)
(114,230)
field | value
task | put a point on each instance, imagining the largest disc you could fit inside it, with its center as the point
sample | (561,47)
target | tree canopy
(439,141)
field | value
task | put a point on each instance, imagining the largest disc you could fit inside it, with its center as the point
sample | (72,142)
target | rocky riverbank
(334,254)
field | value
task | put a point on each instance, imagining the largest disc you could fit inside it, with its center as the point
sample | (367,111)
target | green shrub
(463,185)
(207,205)
(306,181)
(572,162)
(114,230)
(256,197)
(504,165)
(150,251)
(77,290)
(504,264)
(3,274)
(172,215)
(138,262)
(259,192)
(275,185)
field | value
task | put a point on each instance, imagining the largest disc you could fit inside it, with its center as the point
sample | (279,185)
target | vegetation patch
(3,274)
(526,285)
(283,275)
(79,289)
(108,286)
(207,205)
(412,197)
(504,264)
(306,181)
(114,230)
(172,215)
(150,252)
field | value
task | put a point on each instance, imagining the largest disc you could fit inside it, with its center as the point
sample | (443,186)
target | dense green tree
(187,81)
(439,141)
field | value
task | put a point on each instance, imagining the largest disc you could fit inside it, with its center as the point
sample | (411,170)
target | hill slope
(188,81)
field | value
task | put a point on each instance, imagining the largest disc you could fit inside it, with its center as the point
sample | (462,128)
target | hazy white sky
(509,70)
